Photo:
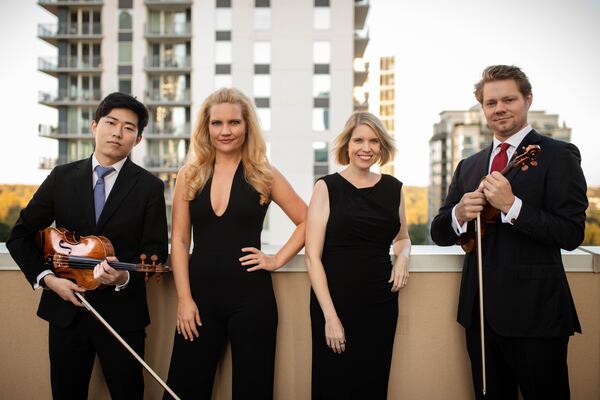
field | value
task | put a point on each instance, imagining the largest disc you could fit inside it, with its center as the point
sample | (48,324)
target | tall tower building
(460,134)
(295,59)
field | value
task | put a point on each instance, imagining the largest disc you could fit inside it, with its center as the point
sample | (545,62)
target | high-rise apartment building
(383,96)
(295,59)
(460,134)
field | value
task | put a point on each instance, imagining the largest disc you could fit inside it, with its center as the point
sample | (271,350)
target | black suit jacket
(133,219)
(526,292)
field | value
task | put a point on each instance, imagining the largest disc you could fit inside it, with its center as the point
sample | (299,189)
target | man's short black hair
(122,100)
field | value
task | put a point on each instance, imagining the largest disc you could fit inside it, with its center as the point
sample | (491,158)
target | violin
(74,259)
(491,215)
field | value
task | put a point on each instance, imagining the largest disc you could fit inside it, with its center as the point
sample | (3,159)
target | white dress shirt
(515,209)
(109,182)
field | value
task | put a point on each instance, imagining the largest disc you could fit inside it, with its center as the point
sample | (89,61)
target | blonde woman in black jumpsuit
(353,218)
(224,289)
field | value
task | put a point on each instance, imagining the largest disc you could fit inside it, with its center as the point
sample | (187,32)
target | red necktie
(501,159)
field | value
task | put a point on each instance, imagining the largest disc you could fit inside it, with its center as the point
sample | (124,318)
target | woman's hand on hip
(188,318)
(258,260)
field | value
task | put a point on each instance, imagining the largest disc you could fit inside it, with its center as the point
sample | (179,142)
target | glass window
(125,20)
(262,19)
(321,52)
(321,18)
(321,152)
(223,19)
(223,81)
(320,120)
(125,85)
(125,53)
(223,53)
(321,85)
(264,116)
(262,85)
(262,53)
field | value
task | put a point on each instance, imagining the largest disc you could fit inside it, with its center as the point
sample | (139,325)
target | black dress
(356,256)
(234,304)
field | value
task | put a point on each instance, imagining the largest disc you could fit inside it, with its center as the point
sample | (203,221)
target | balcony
(47,163)
(53,5)
(55,65)
(174,32)
(171,5)
(429,347)
(361,10)
(69,98)
(361,40)
(158,98)
(52,33)
(157,64)
(163,164)
(61,132)
(167,131)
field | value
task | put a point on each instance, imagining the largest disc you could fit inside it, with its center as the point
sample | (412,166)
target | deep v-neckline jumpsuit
(234,304)
(356,257)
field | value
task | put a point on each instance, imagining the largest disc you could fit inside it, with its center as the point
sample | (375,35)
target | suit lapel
(126,180)
(82,180)
(480,169)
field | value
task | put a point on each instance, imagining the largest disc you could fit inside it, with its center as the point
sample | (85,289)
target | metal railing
(69,62)
(69,29)
(168,129)
(175,29)
(158,62)
(169,162)
(64,95)
(168,97)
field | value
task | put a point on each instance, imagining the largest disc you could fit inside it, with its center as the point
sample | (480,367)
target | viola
(491,215)
(74,259)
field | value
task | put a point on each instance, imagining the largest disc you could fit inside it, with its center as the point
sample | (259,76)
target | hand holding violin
(108,275)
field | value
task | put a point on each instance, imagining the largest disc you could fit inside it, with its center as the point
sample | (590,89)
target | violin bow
(481,320)
(125,344)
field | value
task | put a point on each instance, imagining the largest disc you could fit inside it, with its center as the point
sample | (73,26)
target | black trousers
(252,329)
(72,353)
(536,366)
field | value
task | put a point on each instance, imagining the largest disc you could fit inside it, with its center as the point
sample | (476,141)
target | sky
(440,46)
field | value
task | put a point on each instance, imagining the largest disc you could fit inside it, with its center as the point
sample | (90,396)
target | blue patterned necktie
(99,190)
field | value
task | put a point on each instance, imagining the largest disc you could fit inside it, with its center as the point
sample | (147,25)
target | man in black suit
(106,194)
(529,311)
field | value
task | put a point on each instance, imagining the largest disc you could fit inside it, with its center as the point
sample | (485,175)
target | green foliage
(419,234)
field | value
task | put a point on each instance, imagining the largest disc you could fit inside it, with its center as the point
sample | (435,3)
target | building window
(320,159)
(125,20)
(223,81)
(322,18)
(264,116)
(262,86)
(262,53)
(223,19)
(321,85)
(262,19)
(321,52)
(320,120)
(125,85)
(223,3)
(125,53)
(223,53)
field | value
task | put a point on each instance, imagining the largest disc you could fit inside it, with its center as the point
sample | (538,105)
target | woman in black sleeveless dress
(353,218)
(224,289)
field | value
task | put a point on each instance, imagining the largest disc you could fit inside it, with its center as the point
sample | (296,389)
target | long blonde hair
(200,161)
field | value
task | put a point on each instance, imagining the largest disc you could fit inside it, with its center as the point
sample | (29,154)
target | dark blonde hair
(340,148)
(501,73)
(200,161)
